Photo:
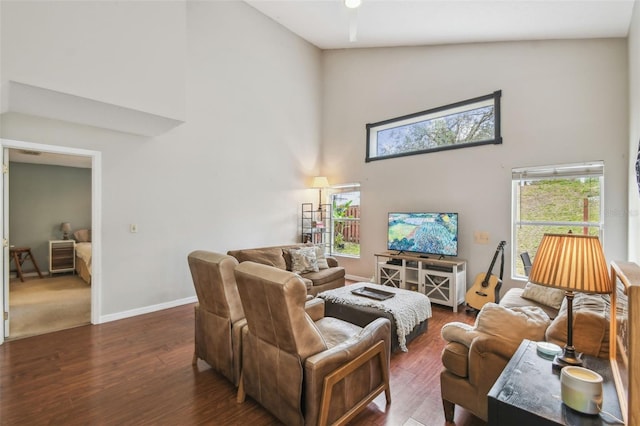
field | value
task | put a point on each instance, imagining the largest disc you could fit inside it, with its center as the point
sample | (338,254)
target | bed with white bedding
(83,254)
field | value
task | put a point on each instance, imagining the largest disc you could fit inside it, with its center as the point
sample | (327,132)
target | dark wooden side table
(527,393)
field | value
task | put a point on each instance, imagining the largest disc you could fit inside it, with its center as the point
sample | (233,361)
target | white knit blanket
(409,308)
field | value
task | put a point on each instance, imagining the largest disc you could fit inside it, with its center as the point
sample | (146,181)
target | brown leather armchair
(219,317)
(303,367)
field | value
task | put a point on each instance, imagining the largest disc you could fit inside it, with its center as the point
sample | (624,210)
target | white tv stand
(443,281)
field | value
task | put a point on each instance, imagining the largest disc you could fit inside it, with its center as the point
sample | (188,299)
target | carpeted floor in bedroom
(38,306)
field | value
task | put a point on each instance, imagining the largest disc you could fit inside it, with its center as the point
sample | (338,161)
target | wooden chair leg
(240,397)
(387,389)
(35,265)
(449,410)
(18,261)
(194,361)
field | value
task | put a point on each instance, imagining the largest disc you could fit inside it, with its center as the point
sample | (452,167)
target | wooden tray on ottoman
(372,293)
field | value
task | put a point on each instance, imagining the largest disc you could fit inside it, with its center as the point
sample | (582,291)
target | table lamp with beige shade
(573,263)
(65,227)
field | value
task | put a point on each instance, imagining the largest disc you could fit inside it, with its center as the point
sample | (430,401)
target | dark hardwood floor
(138,371)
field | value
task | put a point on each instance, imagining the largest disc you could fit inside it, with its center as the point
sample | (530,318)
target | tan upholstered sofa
(326,276)
(474,356)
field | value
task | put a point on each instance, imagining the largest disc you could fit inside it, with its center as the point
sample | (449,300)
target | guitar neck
(493,262)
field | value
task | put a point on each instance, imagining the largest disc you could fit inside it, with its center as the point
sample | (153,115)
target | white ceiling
(380,23)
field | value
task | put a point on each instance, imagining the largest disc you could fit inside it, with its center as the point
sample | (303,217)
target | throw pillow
(322,261)
(82,235)
(597,303)
(547,296)
(304,260)
(590,332)
(513,324)
(271,256)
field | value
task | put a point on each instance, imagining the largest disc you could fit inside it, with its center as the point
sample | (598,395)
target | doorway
(60,156)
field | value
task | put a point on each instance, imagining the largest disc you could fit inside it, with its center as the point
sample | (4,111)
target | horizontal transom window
(467,123)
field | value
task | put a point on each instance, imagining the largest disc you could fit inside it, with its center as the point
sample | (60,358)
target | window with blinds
(554,199)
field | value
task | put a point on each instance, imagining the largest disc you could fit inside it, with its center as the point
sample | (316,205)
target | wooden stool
(19,255)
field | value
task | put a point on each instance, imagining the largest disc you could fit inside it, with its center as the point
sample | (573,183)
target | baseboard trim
(179,302)
(357,278)
(147,309)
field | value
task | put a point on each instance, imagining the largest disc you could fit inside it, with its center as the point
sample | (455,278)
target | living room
(213,65)
(263,111)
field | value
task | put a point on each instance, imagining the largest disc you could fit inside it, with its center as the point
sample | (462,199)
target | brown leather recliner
(219,317)
(288,354)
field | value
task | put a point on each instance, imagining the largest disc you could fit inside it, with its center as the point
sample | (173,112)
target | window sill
(348,256)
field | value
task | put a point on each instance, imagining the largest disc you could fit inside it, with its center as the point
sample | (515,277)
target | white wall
(114,52)
(634,134)
(258,101)
(232,176)
(562,102)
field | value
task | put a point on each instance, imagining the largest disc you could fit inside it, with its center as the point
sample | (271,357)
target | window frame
(563,171)
(432,114)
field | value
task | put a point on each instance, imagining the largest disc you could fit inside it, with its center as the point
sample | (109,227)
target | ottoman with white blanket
(407,310)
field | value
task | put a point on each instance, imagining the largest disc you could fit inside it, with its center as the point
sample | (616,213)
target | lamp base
(564,360)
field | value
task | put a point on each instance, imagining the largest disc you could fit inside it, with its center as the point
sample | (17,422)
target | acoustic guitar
(486,287)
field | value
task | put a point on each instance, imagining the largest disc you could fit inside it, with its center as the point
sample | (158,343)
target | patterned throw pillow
(304,260)
(322,261)
(547,296)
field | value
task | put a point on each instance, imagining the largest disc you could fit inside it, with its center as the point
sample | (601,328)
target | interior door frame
(96,224)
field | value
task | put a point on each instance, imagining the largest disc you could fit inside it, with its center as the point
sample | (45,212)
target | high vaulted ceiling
(328,24)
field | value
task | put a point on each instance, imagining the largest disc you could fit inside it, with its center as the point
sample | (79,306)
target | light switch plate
(481,237)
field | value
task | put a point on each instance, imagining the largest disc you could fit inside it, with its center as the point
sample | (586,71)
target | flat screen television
(423,233)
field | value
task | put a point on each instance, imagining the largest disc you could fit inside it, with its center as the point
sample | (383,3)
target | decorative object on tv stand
(65,227)
(574,263)
(320,182)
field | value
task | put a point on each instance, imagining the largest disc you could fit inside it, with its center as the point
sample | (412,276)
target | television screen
(428,233)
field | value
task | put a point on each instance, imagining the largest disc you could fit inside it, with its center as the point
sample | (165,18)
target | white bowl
(581,389)
(548,350)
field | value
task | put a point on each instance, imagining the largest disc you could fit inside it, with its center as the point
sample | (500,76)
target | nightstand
(62,256)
